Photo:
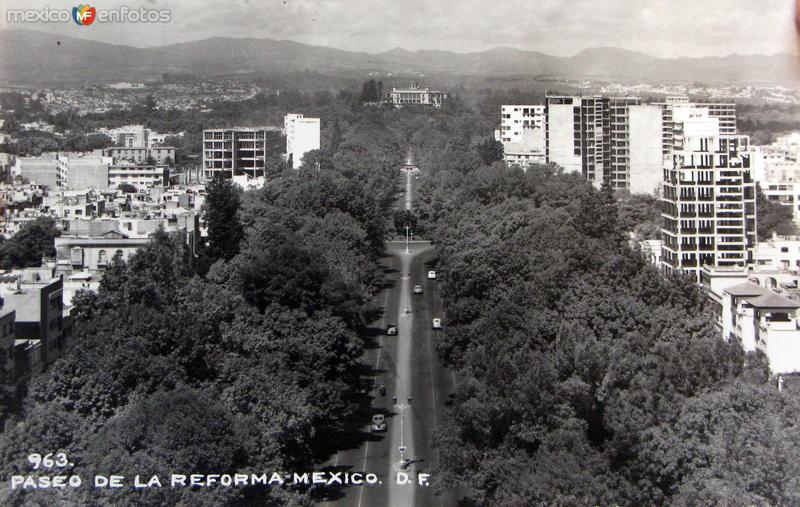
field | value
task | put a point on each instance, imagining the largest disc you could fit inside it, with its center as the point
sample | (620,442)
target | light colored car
(418,289)
(378,423)
(437,323)
(391,329)
(431,275)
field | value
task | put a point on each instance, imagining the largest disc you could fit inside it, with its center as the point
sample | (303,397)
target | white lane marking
(375,378)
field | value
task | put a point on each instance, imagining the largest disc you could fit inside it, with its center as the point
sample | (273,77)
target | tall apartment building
(605,138)
(708,199)
(522,133)
(240,150)
(302,136)
(673,108)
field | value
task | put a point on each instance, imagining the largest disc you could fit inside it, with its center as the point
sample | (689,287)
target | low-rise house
(763,320)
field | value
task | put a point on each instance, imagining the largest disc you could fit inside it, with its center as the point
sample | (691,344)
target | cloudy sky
(664,28)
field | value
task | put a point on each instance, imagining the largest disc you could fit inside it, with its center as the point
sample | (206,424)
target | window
(118,255)
(102,257)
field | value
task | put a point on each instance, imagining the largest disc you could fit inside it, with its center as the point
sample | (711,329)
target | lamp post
(402,447)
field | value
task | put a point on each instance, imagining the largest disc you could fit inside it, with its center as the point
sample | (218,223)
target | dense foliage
(640,214)
(27,247)
(249,368)
(225,230)
(772,217)
(585,378)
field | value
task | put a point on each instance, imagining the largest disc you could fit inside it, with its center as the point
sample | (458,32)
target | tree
(772,217)
(490,151)
(403,218)
(127,188)
(28,246)
(222,214)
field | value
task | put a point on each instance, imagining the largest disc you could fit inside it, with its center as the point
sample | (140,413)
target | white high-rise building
(522,132)
(674,107)
(302,136)
(708,197)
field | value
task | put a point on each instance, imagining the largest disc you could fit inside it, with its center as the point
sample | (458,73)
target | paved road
(417,387)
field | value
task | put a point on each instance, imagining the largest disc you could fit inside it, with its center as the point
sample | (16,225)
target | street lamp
(402,447)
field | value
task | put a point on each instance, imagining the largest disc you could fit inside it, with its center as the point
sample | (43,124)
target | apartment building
(79,171)
(161,155)
(83,170)
(302,136)
(614,139)
(241,150)
(708,199)
(41,170)
(763,320)
(414,95)
(786,193)
(674,108)
(778,252)
(140,176)
(39,315)
(7,338)
(522,133)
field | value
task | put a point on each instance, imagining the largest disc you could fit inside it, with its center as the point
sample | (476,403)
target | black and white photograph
(373,253)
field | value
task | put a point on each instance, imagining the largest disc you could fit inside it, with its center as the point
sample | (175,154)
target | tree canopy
(584,376)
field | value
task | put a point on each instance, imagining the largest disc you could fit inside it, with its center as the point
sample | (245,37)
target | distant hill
(28,56)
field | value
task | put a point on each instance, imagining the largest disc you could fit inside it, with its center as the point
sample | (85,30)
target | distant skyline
(659,28)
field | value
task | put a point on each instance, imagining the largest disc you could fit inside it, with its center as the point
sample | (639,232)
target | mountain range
(28,56)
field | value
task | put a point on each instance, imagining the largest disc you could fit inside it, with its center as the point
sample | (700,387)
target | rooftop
(759,297)
(746,289)
(772,300)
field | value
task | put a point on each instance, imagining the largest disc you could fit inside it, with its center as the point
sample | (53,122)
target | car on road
(378,423)
(391,329)
(431,275)
(418,289)
(437,323)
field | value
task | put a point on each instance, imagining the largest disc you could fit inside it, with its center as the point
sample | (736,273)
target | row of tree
(243,359)
(584,376)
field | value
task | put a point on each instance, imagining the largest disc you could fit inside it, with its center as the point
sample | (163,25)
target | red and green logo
(84,15)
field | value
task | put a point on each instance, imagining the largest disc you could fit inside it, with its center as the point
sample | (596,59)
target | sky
(664,28)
